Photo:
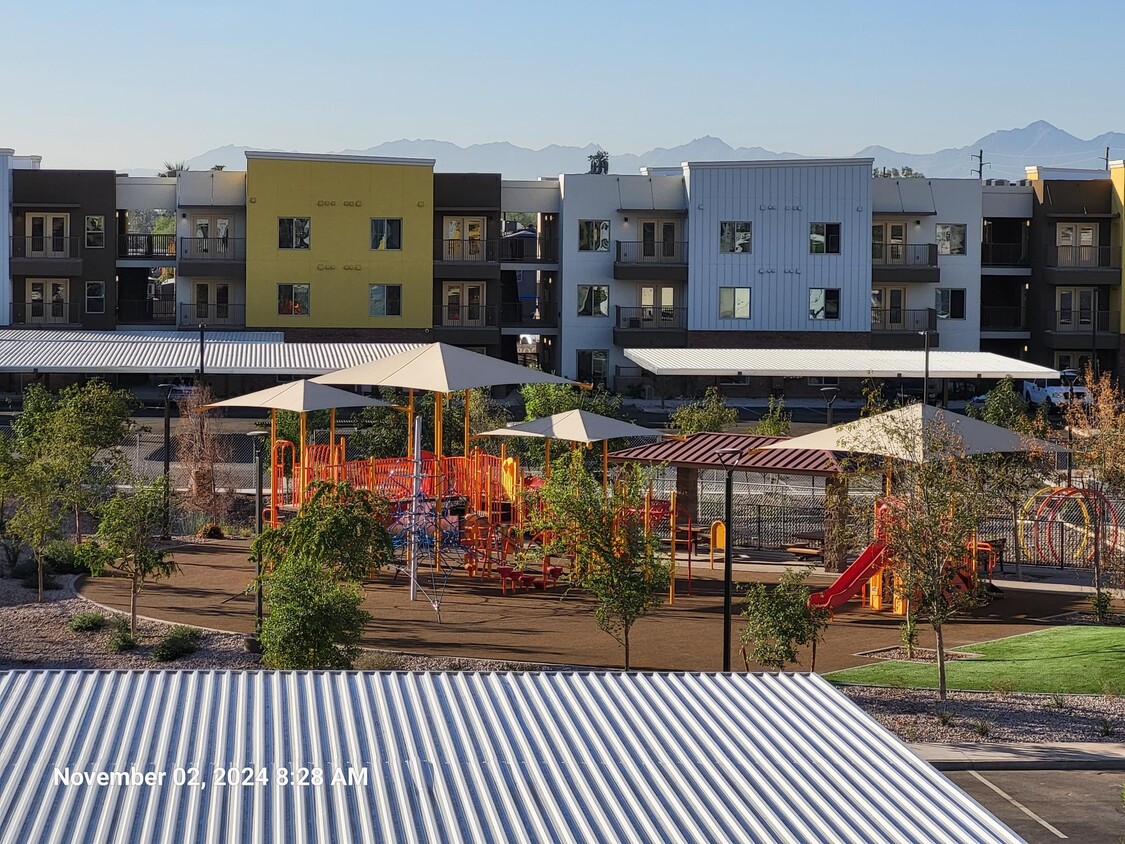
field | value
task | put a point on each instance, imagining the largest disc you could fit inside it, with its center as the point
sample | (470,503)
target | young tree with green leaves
(382,431)
(128,541)
(779,621)
(711,413)
(1003,406)
(775,422)
(614,558)
(38,519)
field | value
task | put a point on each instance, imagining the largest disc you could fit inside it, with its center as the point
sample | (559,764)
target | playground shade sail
(301,397)
(914,434)
(439,368)
(578,426)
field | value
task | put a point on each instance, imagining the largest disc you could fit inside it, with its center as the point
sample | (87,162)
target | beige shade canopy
(902,434)
(299,396)
(579,426)
(439,368)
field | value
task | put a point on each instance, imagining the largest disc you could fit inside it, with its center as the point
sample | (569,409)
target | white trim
(338,159)
(780,162)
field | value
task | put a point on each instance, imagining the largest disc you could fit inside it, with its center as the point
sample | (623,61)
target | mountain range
(1006,153)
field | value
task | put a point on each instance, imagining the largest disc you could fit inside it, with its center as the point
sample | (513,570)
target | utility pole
(979,169)
(1106,158)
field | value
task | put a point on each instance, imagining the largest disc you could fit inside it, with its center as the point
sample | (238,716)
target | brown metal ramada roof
(698,452)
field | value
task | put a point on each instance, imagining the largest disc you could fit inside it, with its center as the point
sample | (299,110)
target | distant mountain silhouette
(1007,152)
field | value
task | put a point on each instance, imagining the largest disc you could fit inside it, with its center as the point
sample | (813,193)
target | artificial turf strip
(1075,659)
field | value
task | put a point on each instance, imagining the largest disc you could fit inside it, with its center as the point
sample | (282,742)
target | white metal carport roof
(513,757)
(834,363)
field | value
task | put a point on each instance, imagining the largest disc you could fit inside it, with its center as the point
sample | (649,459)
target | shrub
(61,557)
(1058,701)
(945,717)
(177,642)
(1105,727)
(87,622)
(379,661)
(11,549)
(28,574)
(211,531)
(120,640)
(1100,604)
(981,728)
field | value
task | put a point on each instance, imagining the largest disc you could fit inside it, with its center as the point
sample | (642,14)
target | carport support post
(727,519)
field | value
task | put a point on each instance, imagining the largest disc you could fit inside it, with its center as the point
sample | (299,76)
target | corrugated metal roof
(698,452)
(833,363)
(122,335)
(599,757)
(222,357)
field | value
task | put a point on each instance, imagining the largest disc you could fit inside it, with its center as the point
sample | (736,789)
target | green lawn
(1074,659)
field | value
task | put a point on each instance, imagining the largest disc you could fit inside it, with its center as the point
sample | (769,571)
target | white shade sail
(579,426)
(439,368)
(301,397)
(914,433)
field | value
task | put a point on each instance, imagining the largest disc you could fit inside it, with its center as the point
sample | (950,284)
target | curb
(1079,756)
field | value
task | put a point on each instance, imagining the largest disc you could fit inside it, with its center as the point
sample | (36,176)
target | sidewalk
(1088,756)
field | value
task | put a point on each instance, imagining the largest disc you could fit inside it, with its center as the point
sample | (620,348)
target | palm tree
(217,167)
(173,169)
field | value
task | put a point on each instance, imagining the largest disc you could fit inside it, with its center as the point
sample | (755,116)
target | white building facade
(9,161)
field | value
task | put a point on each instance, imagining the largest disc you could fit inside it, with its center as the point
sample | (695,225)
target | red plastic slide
(852,578)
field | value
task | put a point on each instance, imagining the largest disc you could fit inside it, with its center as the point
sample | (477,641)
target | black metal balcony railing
(1003,255)
(465,250)
(134,245)
(527,249)
(651,252)
(903,319)
(46,246)
(213,248)
(1079,321)
(649,318)
(46,313)
(1002,318)
(212,313)
(529,313)
(156,310)
(466,316)
(1080,257)
(904,254)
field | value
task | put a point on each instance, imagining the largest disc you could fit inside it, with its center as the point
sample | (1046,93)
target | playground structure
(1062,525)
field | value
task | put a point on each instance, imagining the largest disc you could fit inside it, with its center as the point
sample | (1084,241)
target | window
(950,304)
(385,300)
(824,238)
(824,303)
(824,381)
(734,236)
(293,232)
(386,233)
(591,366)
(95,297)
(593,300)
(951,238)
(293,299)
(734,303)
(95,232)
(593,235)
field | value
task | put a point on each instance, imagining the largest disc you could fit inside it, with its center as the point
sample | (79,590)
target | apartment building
(9,162)
(146,259)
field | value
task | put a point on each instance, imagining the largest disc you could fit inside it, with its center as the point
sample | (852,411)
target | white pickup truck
(1052,391)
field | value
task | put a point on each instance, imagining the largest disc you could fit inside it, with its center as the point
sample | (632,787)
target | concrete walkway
(1087,756)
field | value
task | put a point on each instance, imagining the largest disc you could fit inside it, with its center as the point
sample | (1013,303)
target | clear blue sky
(129,84)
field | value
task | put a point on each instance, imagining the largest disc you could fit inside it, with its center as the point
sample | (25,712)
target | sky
(132,84)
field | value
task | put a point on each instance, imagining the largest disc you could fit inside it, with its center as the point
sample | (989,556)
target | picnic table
(812,547)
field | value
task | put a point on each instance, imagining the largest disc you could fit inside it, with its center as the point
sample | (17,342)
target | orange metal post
(673,534)
(468,404)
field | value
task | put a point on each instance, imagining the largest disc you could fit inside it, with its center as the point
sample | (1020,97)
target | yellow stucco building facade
(338,242)
(1117,176)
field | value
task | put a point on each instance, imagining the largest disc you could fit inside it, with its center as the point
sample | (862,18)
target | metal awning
(834,363)
(700,451)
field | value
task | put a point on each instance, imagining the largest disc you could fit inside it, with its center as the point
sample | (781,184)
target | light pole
(730,458)
(1069,376)
(167,461)
(829,394)
(257,438)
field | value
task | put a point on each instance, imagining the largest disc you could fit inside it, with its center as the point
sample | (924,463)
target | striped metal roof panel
(834,363)
(564,757)
(122,335)
(698,451)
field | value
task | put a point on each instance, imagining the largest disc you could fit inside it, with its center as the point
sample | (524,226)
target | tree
(779,620)
(201,451)
(128,538)
(907,172)
(37,519)
(604,533)
(599,163)
(1003,406)
(709,414)
(540,400)
(775,422)
(218,167)
(173,169)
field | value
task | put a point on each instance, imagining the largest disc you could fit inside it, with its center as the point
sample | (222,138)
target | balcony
(466,259)
(1081,265)
(1003,255)
(467,324)
(46,255)
(529,249)
(154,311)
(161,247)
(1001,318)
(904,263)
(650,260)
(650,327)
(39,314)
(1084,329)
(903,320)
(211,314)
(529,313)
(212,256)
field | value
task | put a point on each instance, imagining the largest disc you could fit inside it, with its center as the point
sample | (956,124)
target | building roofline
(338,159)
(778,162)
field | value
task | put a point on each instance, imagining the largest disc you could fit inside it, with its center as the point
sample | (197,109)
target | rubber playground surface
(555,626)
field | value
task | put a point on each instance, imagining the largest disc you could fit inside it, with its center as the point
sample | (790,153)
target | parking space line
(1018,804)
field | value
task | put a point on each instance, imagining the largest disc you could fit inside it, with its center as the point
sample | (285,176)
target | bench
(804,553)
